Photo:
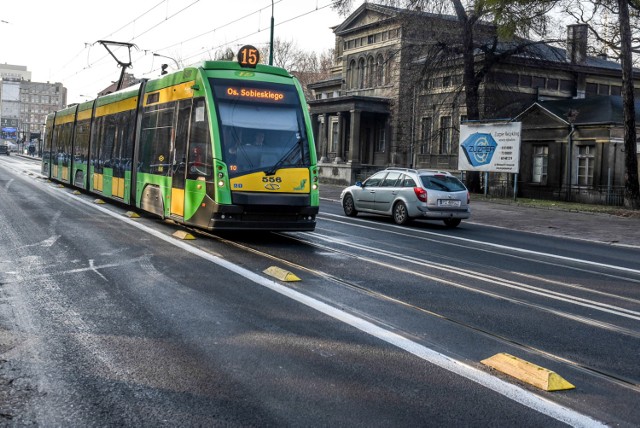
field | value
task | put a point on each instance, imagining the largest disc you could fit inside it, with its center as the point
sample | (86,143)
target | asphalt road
(107,321)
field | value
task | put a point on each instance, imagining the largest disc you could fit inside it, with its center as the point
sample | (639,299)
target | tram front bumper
(264,217)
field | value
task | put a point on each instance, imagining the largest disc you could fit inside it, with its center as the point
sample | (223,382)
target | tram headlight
(220,183)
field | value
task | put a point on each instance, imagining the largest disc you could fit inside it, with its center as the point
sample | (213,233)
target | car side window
(375,179)
(408,182)
(391,179)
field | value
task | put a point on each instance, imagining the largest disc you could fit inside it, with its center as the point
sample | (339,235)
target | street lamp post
(271,40)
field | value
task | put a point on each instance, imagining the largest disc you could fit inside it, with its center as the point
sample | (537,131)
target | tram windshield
(261,126)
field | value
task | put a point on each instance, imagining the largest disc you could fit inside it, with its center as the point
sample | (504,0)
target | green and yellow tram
(222,146)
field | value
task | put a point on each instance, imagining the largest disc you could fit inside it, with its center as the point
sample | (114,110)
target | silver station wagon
(406,194)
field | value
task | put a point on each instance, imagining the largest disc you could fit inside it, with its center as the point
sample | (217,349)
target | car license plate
(448,203)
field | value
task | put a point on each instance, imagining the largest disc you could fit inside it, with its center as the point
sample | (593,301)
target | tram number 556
(271,180)
(248,56)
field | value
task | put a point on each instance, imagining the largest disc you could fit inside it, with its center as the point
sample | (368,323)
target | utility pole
(271,40)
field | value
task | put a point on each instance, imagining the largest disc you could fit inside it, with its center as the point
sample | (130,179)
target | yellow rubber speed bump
(181,234)
(281,274)
(98,201)
(60,186)
(528,372)
(132,214)
(76,192)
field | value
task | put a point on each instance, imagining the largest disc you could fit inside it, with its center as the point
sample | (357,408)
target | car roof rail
(435,171)
(395,168)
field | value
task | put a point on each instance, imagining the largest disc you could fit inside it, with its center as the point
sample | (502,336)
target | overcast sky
(56,40)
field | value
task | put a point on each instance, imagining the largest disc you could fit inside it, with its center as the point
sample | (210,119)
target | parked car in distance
(406,194)
(4,149)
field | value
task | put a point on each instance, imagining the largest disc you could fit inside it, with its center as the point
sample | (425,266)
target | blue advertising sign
(492,147)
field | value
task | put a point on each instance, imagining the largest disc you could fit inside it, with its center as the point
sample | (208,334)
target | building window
(552,84)
(585,165)
(540,162)
(361,70)
(334,136)
(381,141)
(616,90)
(603,89)
(538,82)
(592,88)
(352,75)
(380,78)
(525,81)
(445,135)
(370,72)
(425,143)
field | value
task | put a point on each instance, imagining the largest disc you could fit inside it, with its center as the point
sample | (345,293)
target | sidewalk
(588,226)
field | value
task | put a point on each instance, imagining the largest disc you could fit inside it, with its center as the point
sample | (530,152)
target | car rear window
(445,183)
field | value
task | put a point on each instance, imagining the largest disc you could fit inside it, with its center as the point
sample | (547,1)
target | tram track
(583,368)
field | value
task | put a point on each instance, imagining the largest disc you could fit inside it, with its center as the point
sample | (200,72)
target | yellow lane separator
(527,372)
(281,274)
(181,234)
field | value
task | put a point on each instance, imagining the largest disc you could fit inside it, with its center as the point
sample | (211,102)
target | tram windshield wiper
(296,147)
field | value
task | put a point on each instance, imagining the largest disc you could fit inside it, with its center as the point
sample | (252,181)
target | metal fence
(597,195)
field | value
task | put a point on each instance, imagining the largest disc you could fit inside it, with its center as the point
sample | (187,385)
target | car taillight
(468,198)
(420,193)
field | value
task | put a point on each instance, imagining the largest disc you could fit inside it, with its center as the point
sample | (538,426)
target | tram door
(179,168)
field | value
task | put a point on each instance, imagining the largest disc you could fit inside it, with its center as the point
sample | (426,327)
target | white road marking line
(499,246)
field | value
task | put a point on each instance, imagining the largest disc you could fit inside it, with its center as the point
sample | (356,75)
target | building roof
(588,111)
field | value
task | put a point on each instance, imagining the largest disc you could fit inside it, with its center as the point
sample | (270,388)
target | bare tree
(224,55)
(308,67)
(631,187)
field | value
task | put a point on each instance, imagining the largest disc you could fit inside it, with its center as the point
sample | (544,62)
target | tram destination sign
(492,147)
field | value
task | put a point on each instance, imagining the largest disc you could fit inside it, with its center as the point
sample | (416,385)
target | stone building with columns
(385,105)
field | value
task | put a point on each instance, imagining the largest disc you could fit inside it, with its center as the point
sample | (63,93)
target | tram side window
(155,139)
(200,156)
(54,144)
(81,147)
(122,157)
(64,153)
(96,138)
(108,142)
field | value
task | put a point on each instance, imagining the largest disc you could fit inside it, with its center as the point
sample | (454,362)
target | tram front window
(260,133)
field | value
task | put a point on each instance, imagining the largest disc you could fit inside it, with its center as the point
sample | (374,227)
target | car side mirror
(359,184)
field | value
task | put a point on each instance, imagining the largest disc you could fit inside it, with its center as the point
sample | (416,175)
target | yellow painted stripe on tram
(84,115)
(172,93)
(97,182)
(177,202)
(64,119)
(117,107)
(117,187)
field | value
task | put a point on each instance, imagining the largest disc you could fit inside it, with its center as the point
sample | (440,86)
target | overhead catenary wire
(190,57)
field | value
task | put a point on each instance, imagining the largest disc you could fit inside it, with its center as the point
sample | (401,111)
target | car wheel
(348,206)
(452,222)
(400,213)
